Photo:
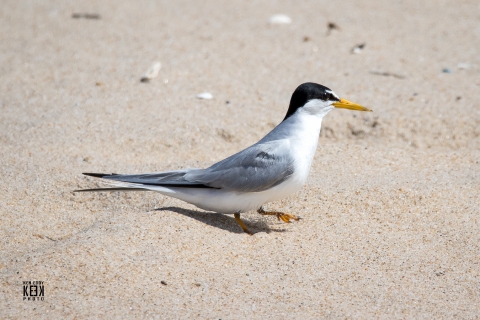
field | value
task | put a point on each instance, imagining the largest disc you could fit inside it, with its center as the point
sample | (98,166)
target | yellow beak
(345,104)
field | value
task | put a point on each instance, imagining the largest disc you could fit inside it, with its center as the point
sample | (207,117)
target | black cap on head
(306,92)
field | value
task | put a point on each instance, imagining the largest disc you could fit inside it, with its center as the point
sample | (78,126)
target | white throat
(316,107)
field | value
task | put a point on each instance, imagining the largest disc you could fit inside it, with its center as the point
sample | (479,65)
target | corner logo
(33,291)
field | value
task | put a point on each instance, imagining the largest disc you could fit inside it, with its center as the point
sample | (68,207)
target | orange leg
(240,222)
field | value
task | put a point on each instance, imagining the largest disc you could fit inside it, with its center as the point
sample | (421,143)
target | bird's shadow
(222,221)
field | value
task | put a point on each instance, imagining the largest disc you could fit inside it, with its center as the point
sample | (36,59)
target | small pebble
(280,19)
(163,282)
(205,95)
(152,72)
(358,48)
(446,70)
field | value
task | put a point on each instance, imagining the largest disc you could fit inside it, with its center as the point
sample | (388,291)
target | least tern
(271,169)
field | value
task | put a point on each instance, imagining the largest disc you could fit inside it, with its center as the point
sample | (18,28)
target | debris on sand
(464,66)
(358,48)
(332,26)
(387,74)
(94,16)
(205,95)
(280,19)
(152,72)
(227,136)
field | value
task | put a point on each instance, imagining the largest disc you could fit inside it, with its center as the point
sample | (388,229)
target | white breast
(302,130)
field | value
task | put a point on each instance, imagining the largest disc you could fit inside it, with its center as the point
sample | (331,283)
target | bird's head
(318,100)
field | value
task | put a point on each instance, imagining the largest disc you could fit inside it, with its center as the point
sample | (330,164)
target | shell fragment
(280,19)
(205,95)
(152,72)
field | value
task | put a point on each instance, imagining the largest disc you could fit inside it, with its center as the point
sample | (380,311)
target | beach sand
(390,213)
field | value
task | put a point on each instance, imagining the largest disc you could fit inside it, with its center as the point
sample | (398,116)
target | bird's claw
(285,217)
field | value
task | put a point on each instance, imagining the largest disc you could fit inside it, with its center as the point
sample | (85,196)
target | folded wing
(257,168)
(254,169)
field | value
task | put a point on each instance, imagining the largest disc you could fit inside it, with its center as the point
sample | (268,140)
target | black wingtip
(98,175)
(110,189)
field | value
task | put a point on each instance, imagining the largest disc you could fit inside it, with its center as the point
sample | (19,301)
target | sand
(390,211)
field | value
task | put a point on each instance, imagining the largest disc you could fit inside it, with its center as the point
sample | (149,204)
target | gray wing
(257,168)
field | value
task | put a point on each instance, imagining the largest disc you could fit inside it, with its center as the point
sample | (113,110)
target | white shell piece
(357,50)
(152,72)
(205,95)
(280,19)
(464,66)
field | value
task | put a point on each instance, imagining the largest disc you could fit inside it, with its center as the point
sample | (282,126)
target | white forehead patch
(333,94)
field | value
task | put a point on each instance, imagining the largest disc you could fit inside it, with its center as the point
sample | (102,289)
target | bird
(271,169)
